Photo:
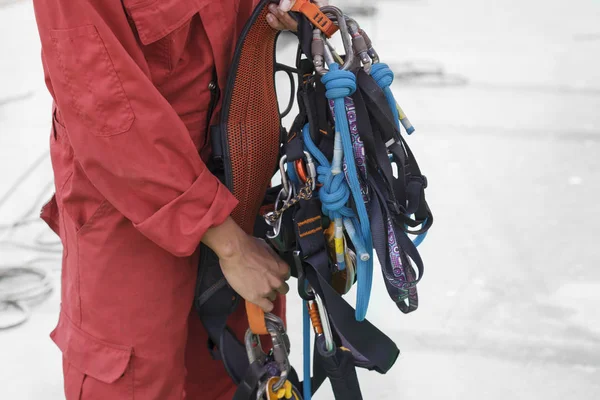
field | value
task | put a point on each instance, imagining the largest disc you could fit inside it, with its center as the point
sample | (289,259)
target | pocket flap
(49,214)
(155,19)
(101,360)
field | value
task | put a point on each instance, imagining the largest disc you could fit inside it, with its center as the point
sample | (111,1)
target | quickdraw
(350,188)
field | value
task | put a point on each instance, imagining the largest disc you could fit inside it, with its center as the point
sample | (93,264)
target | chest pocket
(163,28)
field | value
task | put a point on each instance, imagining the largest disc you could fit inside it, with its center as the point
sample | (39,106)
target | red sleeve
(130,142)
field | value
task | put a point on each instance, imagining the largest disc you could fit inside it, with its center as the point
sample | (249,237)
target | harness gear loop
(316,16)
(256,319)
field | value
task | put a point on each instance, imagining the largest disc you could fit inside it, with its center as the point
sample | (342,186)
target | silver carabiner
(277,224)
(329,343)
(281,347)
(341,22)
(284,178)
(309,172)
(318,52)
(284,196)
(359,43)
(281,351)
(253,347)
(370,50)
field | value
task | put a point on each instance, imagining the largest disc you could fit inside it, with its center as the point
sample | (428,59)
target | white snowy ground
(508,303)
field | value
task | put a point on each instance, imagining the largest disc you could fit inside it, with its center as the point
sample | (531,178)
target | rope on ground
(26,284)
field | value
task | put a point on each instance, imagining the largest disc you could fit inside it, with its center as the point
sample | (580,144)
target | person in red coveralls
(131,83)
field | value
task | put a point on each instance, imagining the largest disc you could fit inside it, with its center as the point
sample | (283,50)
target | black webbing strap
(338,365)
(356,336)
(214,301)
(378,213)
(378,106)
(246,389)
(409,187)
(378,161)
(326,132)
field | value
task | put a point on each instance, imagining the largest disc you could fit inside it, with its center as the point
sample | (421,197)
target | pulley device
(350,188)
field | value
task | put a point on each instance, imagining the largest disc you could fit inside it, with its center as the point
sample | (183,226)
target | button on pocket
(96,92)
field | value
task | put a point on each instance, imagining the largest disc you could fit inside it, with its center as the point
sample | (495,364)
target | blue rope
(384,77)
(306,384)
(336,190)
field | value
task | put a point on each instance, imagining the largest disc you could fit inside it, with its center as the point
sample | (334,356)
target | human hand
(278,17)
(256,273)
(250,265)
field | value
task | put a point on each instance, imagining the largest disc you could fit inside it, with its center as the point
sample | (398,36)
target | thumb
(286,5)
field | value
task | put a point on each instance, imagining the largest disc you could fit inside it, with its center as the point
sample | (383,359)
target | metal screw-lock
(319,39)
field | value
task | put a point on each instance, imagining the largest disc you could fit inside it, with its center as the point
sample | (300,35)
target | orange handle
(312,12)
(256,319)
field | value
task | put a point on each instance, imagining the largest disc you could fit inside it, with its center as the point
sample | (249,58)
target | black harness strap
(356,336)
(214,301)
(409,186)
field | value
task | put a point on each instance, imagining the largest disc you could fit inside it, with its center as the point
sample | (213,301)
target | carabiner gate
(321,48)
(281,351)
(306,170)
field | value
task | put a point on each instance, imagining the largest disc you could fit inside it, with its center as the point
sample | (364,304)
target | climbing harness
(350,189)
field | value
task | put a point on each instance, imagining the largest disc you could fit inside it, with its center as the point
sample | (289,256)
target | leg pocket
(93,368)
(73,379)
(96,92)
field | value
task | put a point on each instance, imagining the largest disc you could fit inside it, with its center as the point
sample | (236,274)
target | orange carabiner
(314,14)
(315,318)
(301,170)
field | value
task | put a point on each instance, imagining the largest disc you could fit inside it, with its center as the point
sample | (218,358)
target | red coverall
(130,82)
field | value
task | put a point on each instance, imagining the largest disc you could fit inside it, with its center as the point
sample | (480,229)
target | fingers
(283,268)
(284,288)
(279,19)
(286,5)
(272,296)
(264,304)
(275,23)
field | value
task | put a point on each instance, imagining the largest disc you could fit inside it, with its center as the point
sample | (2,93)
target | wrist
(224,239)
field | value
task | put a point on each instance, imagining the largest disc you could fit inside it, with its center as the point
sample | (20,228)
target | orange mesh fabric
(253,123)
